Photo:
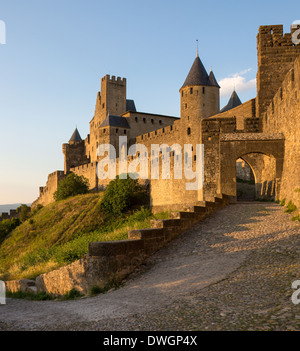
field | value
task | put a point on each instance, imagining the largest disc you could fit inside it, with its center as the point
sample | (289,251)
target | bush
(72,294)
(24,212)
(70,186)
(8,225)
(121,195)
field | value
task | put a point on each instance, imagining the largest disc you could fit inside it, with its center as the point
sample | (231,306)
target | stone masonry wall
(276,54)
(246,110)
(283,115)
(46,192)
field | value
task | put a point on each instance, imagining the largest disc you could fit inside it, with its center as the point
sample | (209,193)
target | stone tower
(199,94)
(110,101)
(276,54)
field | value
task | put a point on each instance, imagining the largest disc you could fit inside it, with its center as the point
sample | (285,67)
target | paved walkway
(233,271)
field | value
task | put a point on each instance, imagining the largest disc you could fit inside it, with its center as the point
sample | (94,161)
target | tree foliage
(24,212)
(8,225)
(121,195)
(70,186)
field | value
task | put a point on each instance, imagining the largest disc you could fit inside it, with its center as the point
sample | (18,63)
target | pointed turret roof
(212,79)
(75,136)
(197,74)
(233,102)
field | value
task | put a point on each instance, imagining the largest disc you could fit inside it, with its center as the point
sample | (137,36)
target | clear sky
(57,51)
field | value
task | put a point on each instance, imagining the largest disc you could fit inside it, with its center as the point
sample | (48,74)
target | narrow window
(136,119)
(152,121)
(189,131)
(191,90)
(160,122)
(117,130)
(185,106)
(124,131)
(144,120)
(203,90)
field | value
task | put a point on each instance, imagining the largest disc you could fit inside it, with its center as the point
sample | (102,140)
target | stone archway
(265,147)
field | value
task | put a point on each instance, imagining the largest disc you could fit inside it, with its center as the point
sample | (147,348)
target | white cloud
(237,81)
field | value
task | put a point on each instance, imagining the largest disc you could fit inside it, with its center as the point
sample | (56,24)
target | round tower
(199,94)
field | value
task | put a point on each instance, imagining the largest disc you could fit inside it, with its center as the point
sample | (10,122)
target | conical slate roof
(75,136)
(233,102)
(212,79)
(197,74)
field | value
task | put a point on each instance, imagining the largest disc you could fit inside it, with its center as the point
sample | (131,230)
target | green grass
(60,233)
(291,207)
(282,202)
(41,296)
(296,218)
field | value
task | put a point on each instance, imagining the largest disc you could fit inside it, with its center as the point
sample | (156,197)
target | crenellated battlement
(276,54)
(114,79)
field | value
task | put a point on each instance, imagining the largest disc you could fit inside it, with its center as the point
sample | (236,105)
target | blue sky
(57,51)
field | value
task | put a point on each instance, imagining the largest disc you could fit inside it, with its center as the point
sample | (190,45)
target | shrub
(24,212)
(8,225)
(121,195)
(70,186)
(72,294)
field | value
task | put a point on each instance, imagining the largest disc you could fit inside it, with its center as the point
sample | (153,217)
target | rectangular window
(191,90)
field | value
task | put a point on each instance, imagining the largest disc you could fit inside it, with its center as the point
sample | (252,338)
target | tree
(23,212)
(120,195)
(70,186)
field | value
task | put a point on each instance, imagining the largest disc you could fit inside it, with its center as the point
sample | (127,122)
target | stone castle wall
(46,192)
(283,115)
(241,113)
(276,54)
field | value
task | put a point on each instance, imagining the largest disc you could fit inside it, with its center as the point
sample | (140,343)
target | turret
(233,102)
(199,93)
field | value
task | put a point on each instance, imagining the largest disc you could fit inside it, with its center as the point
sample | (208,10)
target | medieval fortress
(264,132)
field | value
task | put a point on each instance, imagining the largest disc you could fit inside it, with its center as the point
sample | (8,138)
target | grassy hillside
(59,234)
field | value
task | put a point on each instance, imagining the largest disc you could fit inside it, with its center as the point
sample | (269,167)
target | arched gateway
(257,149)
